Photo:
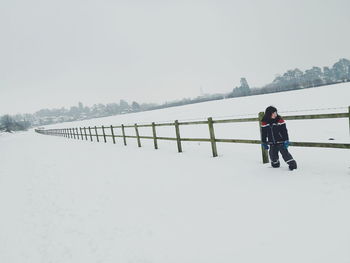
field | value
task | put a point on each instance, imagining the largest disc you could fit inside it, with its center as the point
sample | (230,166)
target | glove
(286,144)
(266,147)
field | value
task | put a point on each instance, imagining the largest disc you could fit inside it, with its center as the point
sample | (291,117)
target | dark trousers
(287,157)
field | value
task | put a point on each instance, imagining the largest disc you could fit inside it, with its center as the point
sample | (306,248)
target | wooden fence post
(112,132)
(98,140)
(104,134)
(212,137)
(77,133)
(137,135)
(73,132)
(123,131)
(85,134)
(154,136)
(89,128)
(178,139)
(81,133)
(265,156)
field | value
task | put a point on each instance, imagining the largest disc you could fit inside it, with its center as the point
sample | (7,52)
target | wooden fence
(88,133)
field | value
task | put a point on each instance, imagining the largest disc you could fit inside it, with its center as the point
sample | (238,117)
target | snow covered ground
(64,200)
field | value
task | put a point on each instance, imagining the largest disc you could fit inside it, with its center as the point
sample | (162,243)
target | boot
(275,164)
(292,165)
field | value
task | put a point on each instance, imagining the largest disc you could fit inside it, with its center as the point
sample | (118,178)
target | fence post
(98,140)
(90,133)
(349,119)
(178,139)
(137,135)
(212,137)
(265,156)
(112,132)
(77,132)
(104,134)
(85,134)
(81,133)
(154,136)
(123,131)
(73,132)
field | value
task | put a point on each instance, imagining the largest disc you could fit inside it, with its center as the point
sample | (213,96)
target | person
(274,136)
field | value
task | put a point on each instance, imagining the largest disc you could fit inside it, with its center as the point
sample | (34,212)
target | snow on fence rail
(90,132)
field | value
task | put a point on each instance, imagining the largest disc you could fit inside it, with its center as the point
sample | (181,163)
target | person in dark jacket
(274,136)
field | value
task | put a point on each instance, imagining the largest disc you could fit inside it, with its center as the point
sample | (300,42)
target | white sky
(57,53)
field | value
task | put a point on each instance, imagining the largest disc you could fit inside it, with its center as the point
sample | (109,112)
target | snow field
(66,200)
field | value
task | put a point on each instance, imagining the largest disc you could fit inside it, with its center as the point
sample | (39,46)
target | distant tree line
(297,79)
(80,112)
(291,80)
(9,124)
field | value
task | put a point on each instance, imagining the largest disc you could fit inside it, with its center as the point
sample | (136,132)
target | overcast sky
(57,53)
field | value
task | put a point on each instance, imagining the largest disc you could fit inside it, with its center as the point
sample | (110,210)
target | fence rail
(83,133)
